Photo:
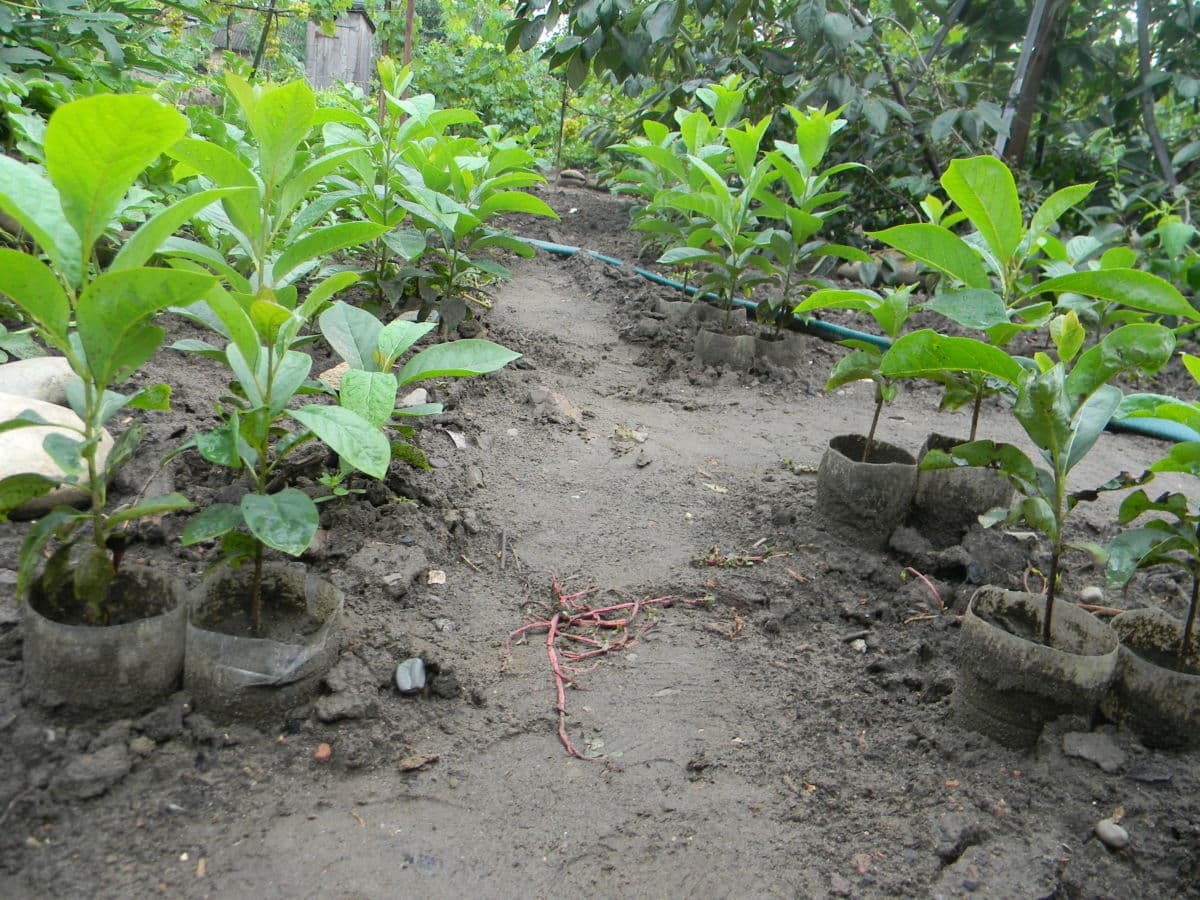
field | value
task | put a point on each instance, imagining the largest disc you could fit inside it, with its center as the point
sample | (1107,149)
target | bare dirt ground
(747,746)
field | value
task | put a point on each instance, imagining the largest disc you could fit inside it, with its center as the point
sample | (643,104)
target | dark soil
(787,735)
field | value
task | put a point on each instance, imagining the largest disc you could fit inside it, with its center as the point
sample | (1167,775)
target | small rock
(1097,747)
(439,462)
(142,745)
(473,478)
(323,753)
(44,378)
(336,707)
(445,625)
(858,645)
(410,675)
(470,521)
(840,887)
(414,398)
(1112,835)
(348,675)
(435,576)
(1091,594)
(333,377)
(91,774)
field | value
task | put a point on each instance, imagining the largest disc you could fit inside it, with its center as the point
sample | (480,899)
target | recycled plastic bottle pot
(725,351)
(1010,684)
(782,351)
(947,502)
(865,500)
(233,676)
(123,668)
(1155,693)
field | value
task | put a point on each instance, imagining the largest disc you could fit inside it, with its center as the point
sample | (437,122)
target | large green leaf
(939,249)
(211,523)
(973,308)
(243,208)
(280,118)
(370,394)
(1090,421)
(319,295)
(17,490)
(458,358)
(290,372)
(838,299)
(1055,205)
(984,189)
(147,240)
(1129,287)
(353,333)
(96,148)
(1142,346)
(112,316)
(349,435)
(398,336)
(30,284)
(286,521)
(320,244)
(513,202)
(155,506)
(927,353)
(33,201)
(1044,409)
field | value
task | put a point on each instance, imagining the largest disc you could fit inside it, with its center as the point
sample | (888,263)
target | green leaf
(349,435)
(1090,421)
(66,452)
(1068,335)
(30,284)
(1143,346)
(926,353)
(677,255)
(322,243)
(244,208)
(1129,287)
(211,523)
(220,446)
(155,506)
(36,538)
(155,397)
(290,373)
(513,202)
(96,148)
(112,315)
(92,574)
(149,238)
(397,337)
(458,358)
(353,334)
(938,248)
(286,521)
(1127,551)
(279,117)
(370,394)
(984,189)
(1055,205)
(973,308)
(33,201)
(17,490)
(320,294)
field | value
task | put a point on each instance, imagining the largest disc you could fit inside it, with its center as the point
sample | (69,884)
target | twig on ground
(1030,570)
(929,584)
(569,621)
(732,631)
(1099,610)
(464,558)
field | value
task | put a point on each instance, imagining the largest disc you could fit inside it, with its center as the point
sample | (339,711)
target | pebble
(44,378)
(1091,594)
(858,645)
(413,398)
(1112,835)
(323,753)
(410,675)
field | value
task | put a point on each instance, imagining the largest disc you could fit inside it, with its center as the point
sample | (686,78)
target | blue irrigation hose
(1163,429)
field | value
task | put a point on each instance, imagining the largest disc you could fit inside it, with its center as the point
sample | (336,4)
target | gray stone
(348,675)
(1097,747)
(1112,835)
(115,733)
(396,565)
(1092,594)
(21,451)
(953,833)
(410,675)
(91,774)
(414,398)
(44,378)
(142,745)
(473,478)
(336,707)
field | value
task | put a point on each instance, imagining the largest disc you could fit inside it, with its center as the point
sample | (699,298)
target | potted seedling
(1025,658)
(863,484)
(1157,688)
(98,634)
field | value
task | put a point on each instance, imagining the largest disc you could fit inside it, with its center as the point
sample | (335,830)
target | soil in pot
(865,499)
(1155,692)
(126,666)
(1010,685)
(948,502)
(234,675)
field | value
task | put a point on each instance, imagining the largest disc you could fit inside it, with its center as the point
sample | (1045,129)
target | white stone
(1092,594)
(21,451)
(414,398)
(44,378)
(1112,835)
(333,377)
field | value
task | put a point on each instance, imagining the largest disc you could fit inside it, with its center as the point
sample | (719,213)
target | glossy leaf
(29,283)
(353,334)
(33,201)
(926,353)
(458,359)
(984,189)
(349,435)
(1129,287)
(286,521)
(321,243)
(939,249)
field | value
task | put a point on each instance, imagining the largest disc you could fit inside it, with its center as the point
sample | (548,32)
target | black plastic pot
(124,668)
(1155,693)
(234,676)
(865,500)
(1010,684)
(947,502)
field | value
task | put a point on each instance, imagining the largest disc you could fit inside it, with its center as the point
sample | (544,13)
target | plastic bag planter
(1010,685)
(233,676)
(947,502)
(1154,693)
(123,668)
(865,501)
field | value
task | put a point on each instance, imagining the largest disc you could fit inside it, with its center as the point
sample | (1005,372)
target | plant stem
(256,593)
(1050,589)
(874,421)
(975,414)
(1190,624)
